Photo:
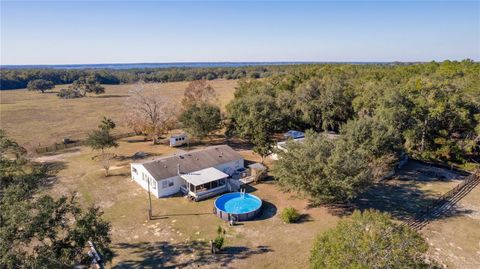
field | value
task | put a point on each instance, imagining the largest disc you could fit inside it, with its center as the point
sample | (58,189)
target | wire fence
(61,146)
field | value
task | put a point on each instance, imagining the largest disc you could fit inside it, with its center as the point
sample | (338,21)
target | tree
(87,84)
(262,142)
(369,240)
(325,103)
(201,119)
(107,124)
(256,119)
(39,231)
(379,144)
(40,85)
(320,169)
(102,139)
(69,93)
(198,91)
(148,112)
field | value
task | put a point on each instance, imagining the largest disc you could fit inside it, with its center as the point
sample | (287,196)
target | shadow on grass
(304,218)
(112,96)
(403,198)
(239,144)
(402,201)
(178,255)
(166,216)
(63,151)
(268,211)
(136,140)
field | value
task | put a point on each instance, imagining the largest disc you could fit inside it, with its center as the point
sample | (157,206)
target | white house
(283,147)
(199,173)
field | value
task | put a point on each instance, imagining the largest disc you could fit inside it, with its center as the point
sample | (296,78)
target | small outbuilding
(178,140)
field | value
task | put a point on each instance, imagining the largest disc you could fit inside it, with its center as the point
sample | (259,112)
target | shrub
(290,215)
(218,242)
(220,239)
(69,94)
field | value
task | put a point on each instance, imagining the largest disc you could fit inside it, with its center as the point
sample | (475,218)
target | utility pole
(149,202)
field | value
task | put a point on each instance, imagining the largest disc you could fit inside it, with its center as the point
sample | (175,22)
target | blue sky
(71,32)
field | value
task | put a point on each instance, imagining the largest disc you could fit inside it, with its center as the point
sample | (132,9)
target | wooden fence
(62,146)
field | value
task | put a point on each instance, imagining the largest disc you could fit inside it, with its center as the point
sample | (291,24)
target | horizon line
(227,62)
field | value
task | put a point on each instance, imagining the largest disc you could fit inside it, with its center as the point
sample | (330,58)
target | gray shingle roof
(166,167)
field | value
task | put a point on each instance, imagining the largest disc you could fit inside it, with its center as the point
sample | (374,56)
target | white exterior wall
(170,190)
(138,177)
(159,192)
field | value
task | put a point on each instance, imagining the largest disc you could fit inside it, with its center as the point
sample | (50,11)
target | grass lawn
(37,119)
(179,234)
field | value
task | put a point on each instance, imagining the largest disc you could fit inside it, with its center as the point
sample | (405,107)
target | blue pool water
(238,203)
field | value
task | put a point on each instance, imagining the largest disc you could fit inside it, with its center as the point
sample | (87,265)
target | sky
(87,32)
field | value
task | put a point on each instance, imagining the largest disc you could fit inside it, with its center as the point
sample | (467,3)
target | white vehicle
(178,140)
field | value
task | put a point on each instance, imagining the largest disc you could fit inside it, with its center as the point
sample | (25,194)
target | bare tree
(106,160)
(198,91)
(150,113)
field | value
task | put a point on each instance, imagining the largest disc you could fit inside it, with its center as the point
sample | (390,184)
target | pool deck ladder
(242,193)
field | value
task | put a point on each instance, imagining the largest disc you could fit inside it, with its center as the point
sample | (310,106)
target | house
(198,173)
(178,140)
(283,147)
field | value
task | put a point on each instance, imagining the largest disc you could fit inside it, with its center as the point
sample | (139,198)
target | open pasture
(37,119)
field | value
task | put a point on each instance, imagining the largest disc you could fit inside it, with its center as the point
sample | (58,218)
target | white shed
(178,140)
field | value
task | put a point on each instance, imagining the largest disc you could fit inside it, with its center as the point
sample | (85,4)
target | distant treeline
(19,78)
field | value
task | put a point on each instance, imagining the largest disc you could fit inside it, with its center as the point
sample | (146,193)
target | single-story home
(198,173)
(283,146)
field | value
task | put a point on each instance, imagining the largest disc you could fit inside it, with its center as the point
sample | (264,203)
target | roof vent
(181,157)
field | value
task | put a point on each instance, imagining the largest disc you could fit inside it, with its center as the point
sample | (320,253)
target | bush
(220,239)
(69,94)
(218,242)
(290,215)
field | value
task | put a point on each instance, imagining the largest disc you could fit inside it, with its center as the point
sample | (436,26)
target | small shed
(178,140)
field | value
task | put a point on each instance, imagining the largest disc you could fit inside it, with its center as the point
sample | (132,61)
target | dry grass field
(34,118)
(178,236)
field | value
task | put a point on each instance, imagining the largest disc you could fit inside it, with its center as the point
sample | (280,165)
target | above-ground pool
(237,205)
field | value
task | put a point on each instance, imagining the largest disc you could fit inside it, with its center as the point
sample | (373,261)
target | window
(144,177)
(153,183)
(167,183)
(134,170)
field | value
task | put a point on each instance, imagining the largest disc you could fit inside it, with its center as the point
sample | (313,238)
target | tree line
(19,78)
(429,111)
(434,107)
